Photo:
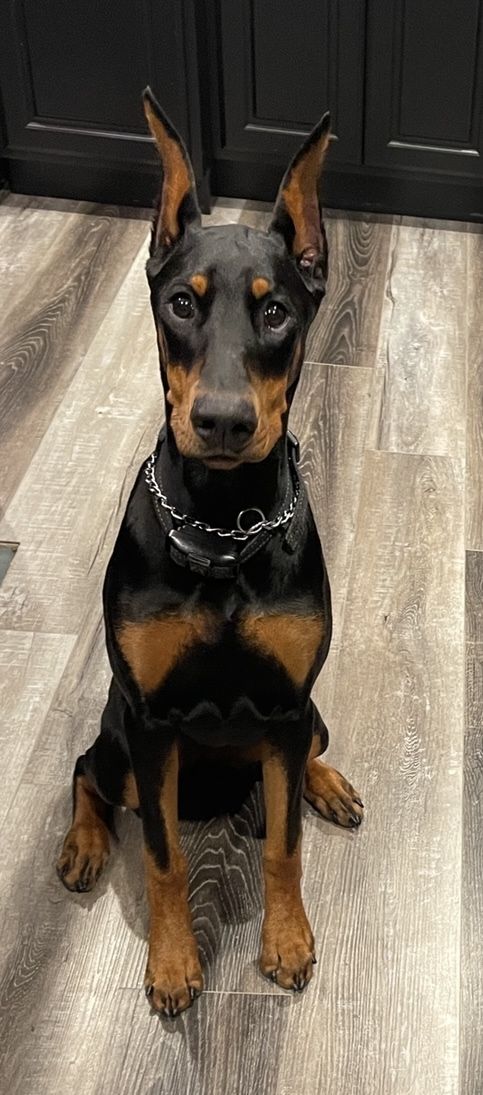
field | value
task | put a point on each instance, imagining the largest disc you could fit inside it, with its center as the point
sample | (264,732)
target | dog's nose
(224,424)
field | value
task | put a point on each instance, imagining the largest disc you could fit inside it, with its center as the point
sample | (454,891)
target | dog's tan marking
(270,399)
(183,387)
(162,347)
(287,940)
(130,797)
(86,847)
(260,287)
(199,282)
(182,382)
(291,640)
(330,793)
(300,196)
(176,178)
(153,647)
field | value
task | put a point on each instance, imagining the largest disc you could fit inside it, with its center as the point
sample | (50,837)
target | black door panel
(424,85)
(244,81)
(282,66)
(72,76)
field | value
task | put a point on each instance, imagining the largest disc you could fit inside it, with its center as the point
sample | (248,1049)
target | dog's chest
(203,646)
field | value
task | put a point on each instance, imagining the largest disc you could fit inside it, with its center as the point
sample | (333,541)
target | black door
(72,77)
(244,81)
(425,86)
(280,67)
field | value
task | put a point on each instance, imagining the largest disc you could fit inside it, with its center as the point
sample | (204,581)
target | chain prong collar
(235,534)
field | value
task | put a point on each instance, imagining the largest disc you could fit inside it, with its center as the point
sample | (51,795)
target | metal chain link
(281,518)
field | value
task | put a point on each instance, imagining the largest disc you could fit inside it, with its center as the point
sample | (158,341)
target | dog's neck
(217,497)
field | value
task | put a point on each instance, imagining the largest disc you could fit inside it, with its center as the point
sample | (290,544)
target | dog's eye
(274,315)
(182,306)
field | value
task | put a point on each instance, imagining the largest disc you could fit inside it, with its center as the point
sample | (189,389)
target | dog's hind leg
(325,788)
(102,779)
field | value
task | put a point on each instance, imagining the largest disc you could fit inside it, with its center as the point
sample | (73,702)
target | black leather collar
(214,556)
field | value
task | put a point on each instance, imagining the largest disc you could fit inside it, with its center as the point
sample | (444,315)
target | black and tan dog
(216,599)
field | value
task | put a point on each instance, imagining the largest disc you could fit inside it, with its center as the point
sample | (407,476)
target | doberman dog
(216,598)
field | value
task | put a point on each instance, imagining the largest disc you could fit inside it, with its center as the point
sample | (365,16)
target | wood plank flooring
(472,890)
(389,415)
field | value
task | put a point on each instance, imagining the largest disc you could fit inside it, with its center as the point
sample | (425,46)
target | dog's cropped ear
(178,203)
(297,214)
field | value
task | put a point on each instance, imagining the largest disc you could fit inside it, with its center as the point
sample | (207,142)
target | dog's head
(232,305)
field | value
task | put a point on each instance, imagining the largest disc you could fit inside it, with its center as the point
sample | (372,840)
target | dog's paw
(84,855)
(288,952)
(171,984)
(332,795)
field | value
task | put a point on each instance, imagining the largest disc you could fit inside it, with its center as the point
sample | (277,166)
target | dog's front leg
(287,941)
(173,973)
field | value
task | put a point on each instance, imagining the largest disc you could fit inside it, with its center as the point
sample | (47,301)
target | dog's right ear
(297,215)
(178,203)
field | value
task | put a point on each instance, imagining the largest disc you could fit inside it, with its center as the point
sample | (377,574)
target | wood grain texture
(56,295)
(30,669)
(474,437)
(70,966)
(474,688)
(474,597)
(233,1044)
(329,416)
(7,552)
(419,399)
(82,470)
(346,329)
(385,902)
(229,1043)
(471,1082)
(253,214)
(51,965)
(391,692)
(77,705)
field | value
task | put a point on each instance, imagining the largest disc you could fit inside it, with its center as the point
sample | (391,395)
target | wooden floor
(389,412)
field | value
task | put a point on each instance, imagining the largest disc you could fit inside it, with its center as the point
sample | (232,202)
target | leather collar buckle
(202,554)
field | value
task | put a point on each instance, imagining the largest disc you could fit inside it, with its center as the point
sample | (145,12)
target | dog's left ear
(178,204)
(297,214)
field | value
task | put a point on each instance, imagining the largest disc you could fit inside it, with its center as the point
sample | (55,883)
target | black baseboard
(92,182)
(407,193)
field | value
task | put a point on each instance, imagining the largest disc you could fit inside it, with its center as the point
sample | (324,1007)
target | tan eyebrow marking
(260,287)
(199,282)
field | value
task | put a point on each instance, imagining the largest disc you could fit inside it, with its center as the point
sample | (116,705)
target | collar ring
(257,525)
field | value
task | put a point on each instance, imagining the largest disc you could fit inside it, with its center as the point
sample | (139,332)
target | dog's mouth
(222,461)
